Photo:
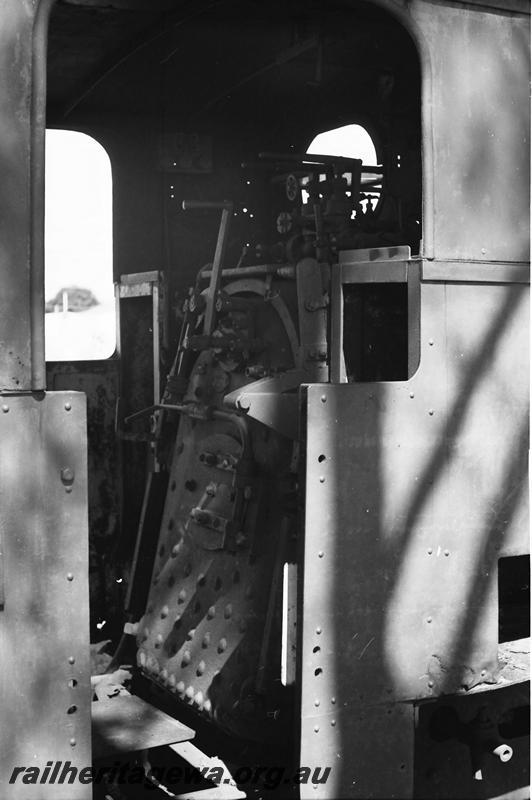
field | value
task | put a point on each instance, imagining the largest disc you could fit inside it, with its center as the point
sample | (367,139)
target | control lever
(219,253)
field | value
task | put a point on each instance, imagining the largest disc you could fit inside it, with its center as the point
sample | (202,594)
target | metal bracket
(265,400)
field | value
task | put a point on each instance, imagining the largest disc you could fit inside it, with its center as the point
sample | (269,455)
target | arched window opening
(80,320)
(350,141)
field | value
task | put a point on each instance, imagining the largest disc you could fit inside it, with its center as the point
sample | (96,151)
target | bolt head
(68,406)
(5,408)
(70,576)
(67,475)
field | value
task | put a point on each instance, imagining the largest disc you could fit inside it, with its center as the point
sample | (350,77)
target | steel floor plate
(128,724)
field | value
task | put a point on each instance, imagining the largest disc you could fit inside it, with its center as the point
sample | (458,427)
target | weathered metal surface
(420,486)
(44,624)
(370,749)
(128,724)
(20,328)
(312,283)
(99,382)
(478,129)
(483,272)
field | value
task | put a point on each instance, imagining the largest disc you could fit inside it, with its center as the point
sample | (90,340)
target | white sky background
(78,215)
(350,141)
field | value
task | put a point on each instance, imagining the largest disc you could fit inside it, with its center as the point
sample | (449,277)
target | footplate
(127,724)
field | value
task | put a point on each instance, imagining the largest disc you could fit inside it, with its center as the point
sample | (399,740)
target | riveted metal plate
(413,491)
(44,624)
(204,636)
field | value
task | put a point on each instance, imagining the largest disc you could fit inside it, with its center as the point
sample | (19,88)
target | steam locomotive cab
(307,538)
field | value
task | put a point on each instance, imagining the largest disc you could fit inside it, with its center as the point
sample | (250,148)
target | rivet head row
(198,699)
